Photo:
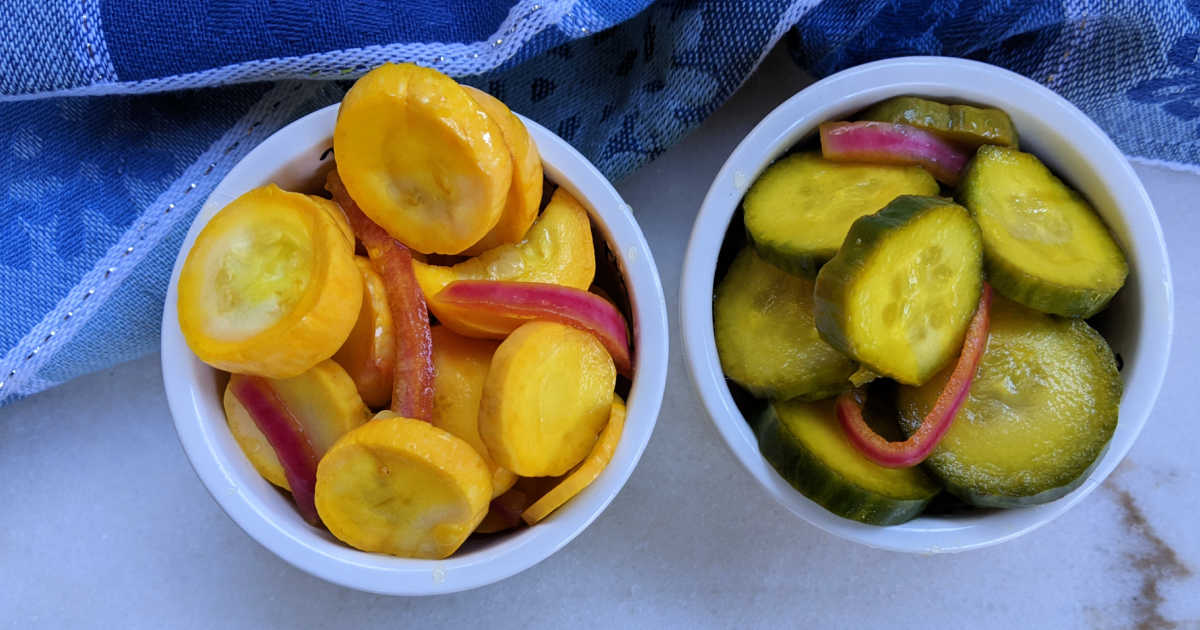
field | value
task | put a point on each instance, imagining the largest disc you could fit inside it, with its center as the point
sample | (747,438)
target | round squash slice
(547,396)
(585,473)
(421,158)
(270,287)
(369,353)
(557,249)
(403,487)
(323,399)
(460,367)
(525,192)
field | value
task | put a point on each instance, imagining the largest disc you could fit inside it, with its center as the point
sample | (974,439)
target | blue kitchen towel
(1133,66)
(118,117)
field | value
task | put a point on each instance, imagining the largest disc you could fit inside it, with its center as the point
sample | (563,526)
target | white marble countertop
(106,525)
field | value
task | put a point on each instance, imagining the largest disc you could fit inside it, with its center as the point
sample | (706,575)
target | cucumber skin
(984,500)
(955,122)
(837,275)
(1041,295)
(812,478)
(1020,287)
(791,261)
(775,393)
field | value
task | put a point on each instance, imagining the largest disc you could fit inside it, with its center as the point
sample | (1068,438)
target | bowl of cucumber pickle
(927,304)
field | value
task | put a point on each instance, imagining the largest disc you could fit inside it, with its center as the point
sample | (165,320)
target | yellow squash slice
(585,473)
(505,511)
(460,366)
(557,249)
(525,192)
(403,487)
(369,353)
(270,287)
(421,158)
(548,393)
(339,218)
(323,399)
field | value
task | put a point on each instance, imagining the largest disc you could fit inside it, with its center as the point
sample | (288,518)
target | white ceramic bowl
(292,158)
(1138,324)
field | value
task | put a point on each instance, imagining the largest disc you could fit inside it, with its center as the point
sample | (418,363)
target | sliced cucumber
(763,322)
(808,448)
(1043,244)
(901,290)
(799,209)
(1041,409)
(961,123)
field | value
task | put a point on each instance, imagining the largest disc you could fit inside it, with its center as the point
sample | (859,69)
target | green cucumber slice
(900,292)
(807,447)
(763,323)
(969,125)
(1044,246)
(1041,410)
(798,211)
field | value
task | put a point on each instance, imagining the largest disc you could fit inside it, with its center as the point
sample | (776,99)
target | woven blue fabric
(145,39)
(120,116)
(1133,66)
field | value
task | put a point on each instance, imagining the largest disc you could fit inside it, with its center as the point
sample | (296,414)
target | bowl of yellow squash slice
(414,343)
